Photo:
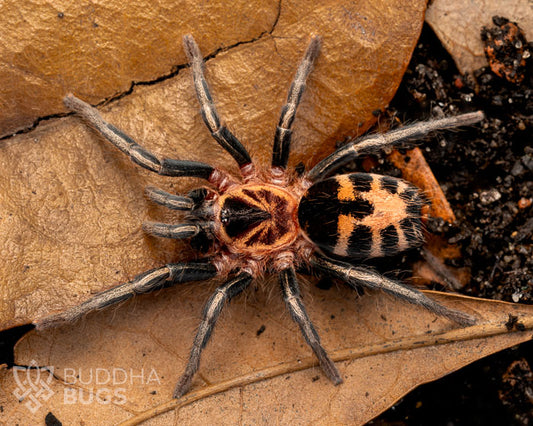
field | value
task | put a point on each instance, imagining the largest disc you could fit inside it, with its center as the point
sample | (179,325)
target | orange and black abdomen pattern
(362,215)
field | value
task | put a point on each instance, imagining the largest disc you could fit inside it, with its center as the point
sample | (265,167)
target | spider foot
(52,321)
(330,370)
(461,318)
(183,386)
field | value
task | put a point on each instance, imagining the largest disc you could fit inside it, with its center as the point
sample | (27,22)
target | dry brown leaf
(383,349)
(72,206)
(98,49)
(458,25)
(417,171)
(435,268)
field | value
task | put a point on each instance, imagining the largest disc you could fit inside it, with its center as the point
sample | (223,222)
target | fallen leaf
(415,169)
(97,50)
(383,349)
(437,253)
(458,25)
(507,49)
(436,250)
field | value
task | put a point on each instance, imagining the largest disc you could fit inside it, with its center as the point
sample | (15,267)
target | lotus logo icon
(33,385)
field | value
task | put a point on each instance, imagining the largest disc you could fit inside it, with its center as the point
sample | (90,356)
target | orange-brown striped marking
(255,219)
(362,215)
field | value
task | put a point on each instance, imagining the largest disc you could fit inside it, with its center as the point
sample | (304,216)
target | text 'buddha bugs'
(274,222)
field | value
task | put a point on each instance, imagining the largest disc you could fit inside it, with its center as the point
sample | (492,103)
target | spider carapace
(275,221)
(256,219)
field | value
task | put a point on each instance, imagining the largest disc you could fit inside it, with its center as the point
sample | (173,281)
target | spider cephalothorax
(274,222)
(256,219)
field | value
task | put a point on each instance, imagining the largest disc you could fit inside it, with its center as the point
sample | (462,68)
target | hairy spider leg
(178,231)
(282,139)
(170,201)
(372,143)
(140,155)
(210,314)
(356,276)
(175,202)
(154,279)
(220,133)
(293,300)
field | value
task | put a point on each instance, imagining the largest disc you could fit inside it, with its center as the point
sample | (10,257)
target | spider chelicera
(274,222)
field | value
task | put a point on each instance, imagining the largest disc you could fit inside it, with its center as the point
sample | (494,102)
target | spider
(274,221)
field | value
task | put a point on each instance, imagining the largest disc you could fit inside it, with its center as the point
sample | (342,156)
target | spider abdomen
(362,215)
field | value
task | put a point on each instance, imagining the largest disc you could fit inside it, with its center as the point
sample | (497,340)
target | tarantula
(274,222)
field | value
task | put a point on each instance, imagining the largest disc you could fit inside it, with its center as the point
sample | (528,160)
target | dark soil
(487,175)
